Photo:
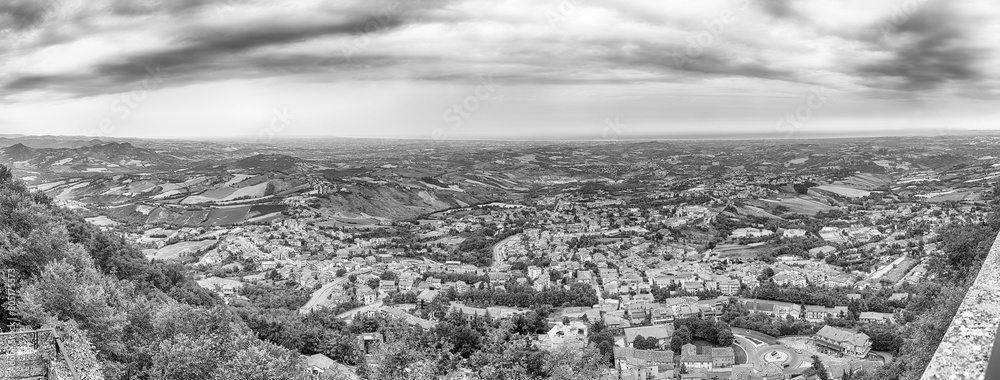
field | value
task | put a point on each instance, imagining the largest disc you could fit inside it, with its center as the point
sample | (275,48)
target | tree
(817,365)
(185,357)
(884,337)
(405,356)
(121,316)
(73,289)
(464,340)
(341,272)
(372,282)
(681,337)
(766,274)
(643,343)
(724,335)
(602,338)
(571,364)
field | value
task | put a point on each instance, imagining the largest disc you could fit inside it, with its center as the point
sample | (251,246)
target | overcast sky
(517,69)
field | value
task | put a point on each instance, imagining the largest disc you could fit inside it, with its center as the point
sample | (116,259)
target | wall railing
(967,350)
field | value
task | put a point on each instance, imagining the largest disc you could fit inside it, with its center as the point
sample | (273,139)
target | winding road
(496,250)
(321,296)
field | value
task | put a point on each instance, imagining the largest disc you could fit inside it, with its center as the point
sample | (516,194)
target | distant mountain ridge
(269,163)
(106,156)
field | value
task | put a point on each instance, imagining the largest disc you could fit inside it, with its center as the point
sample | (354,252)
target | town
(767,262)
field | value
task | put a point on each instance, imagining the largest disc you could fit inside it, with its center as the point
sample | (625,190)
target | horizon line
(646,138)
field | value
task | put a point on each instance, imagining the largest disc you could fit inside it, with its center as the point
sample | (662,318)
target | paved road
(888,267)
(322,296)
(752,355)
(496,250)
(351,313)
(755,354)
(756,335)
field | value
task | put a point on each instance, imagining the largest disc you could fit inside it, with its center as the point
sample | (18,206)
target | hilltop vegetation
(145,320)
(935,302)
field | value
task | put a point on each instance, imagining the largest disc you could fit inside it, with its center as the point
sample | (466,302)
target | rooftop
(840,335)
(656,331)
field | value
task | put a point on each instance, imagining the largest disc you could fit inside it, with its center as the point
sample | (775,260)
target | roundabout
(778,355)
(763,349)
(775,356)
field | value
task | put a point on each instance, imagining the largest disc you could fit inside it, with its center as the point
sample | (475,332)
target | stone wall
(964,353)
(25,354)
(26,365)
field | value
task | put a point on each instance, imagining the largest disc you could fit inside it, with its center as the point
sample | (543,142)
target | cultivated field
(844,190)
(223,216)
(183,251)
(901,270)
(733,251)
(803,205)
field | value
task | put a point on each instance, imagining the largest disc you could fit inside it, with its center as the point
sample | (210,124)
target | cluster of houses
(855,233)
(661,363)
(715,363)
(812,313)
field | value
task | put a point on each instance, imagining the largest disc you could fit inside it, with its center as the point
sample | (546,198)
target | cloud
(208,48)
(677,59)
(934,46)
(777,8)
(211,44)
(836,43)
(22,14)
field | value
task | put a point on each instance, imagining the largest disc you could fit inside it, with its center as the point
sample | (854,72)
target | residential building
(838,341)
(873,317)
(406,284)
(815,313)
(788,278)
(772,308)
(425,297)
(822,251)
(635,364)
(771,371)
(692,361)
(708,359)
(573,336)
(794,233)
(534,272)
(723,357)
(750,233)
(366,295)
(386,286)
(662,333)
(320,363)
(729,287)
(225,287)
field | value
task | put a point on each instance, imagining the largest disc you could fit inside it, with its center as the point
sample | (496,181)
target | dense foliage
(145,320)
(490,348)
(477,248)
(738,316)
(578,294)
(935,303)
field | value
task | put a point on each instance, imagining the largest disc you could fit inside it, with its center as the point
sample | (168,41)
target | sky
(498,69)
